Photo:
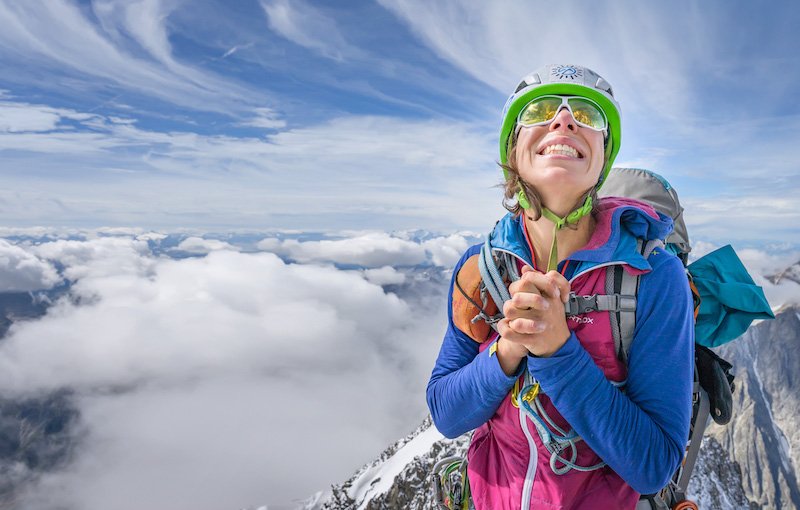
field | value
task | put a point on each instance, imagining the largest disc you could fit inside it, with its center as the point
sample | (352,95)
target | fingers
(526,282)
(527,326)
(522,303)
(521,331)
(552,284)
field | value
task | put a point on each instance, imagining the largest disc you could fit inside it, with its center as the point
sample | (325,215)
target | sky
(272,114)
(351,147)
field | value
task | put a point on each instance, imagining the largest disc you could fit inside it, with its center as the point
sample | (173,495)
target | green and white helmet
(566,80)
(569,80)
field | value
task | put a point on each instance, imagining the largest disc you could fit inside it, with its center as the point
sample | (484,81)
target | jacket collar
(619,222)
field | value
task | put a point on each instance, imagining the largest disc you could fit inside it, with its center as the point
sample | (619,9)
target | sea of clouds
(214,373)
(227,378)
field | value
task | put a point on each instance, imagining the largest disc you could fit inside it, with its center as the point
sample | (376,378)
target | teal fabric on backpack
(730,300)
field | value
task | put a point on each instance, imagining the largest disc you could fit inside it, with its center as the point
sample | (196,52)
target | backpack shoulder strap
(491,276)
(621,282)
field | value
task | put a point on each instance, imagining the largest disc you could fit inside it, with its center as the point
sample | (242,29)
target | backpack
(713,385)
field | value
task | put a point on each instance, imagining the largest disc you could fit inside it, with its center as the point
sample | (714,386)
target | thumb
(525,269)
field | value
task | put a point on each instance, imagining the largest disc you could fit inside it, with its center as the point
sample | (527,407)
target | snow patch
(378,479)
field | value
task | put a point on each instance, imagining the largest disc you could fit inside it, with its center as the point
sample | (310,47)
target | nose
(563,121)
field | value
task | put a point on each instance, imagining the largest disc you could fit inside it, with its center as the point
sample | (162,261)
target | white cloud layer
(372,250)
(21,271)
(386,275)
(210,382)
(198,245)
(227,372)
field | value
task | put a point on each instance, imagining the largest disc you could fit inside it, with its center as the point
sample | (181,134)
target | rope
(556,441)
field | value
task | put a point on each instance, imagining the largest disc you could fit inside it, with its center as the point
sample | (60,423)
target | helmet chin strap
(558,223)
(573,217)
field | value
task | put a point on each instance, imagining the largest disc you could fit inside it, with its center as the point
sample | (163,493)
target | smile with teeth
(562,150)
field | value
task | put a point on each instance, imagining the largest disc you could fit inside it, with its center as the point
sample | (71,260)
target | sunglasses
(542,110)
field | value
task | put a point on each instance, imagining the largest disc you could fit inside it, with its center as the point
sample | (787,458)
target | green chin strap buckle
(558,223)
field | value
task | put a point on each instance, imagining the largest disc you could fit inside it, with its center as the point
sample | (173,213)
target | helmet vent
(603,85)
(531,79)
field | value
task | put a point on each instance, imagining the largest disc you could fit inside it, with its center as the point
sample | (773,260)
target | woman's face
(561,160)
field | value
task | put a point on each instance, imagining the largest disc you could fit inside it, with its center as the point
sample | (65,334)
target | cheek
(527,139)
(598,151)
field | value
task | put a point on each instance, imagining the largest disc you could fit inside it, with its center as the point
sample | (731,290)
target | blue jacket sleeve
(465,388)
(640,433)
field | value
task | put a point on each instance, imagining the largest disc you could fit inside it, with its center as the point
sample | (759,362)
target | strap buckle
(599,303)
(577,305)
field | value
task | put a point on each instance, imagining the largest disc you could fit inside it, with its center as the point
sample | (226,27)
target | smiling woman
(562,417)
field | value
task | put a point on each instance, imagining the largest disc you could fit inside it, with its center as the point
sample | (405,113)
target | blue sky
(326,116)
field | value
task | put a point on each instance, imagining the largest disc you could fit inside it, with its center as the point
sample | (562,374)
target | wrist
(555,348)
(510,355)
(511,349)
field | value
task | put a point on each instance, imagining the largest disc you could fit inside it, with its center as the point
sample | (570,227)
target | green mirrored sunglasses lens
(587,113)
(539,110)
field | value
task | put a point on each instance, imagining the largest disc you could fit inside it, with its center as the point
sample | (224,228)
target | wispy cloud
(375,169)
(265,118)
(129,49)
(678,70)
(309,27)
(235,49)
(745,218)
(390,124)
(660,56)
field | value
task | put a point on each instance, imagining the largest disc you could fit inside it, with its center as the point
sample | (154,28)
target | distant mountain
(36,434)
(750,463)
(764,435)
(791,273)
(20,306)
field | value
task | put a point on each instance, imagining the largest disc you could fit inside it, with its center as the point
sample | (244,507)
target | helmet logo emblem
(566,73)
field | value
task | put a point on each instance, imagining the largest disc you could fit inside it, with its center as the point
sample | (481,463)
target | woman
(561,419)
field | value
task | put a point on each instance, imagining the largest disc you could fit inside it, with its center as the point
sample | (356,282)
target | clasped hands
(534,320)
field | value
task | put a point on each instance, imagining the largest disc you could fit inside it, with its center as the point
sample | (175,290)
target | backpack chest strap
(578,305)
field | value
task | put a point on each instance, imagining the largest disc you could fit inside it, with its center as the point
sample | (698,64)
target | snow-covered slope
(399,478)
